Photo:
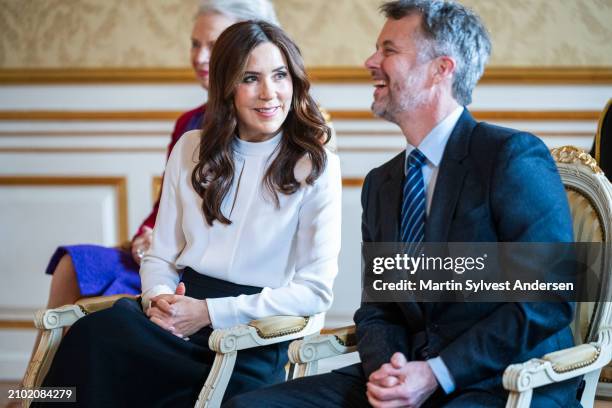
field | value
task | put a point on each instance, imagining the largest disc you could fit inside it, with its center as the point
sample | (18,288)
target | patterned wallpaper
(155,33)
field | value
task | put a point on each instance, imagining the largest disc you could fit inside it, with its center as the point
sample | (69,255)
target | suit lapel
(390,200)
(450,180)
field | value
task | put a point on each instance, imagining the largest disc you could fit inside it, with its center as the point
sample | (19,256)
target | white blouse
(291,251)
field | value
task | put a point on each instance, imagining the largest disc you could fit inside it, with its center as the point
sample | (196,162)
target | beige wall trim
(55,150)
(398,132)
(521,75)
(488,115)
(110,133)
(16,324)
(118,183)
(352,181)
(84,133)
(90,115)
(492,75)
(95,75)
(548,75)
(562,115)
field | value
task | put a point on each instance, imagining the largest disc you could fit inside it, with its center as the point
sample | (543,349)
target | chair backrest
(589,194)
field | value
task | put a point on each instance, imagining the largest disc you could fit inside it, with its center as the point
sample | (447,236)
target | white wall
(66,182)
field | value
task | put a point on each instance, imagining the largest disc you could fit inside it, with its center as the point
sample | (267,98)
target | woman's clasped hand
(179,314)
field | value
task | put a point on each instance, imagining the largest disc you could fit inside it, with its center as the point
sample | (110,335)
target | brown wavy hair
(304,129)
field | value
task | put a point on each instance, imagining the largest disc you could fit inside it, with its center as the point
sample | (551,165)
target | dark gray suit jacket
(494,185)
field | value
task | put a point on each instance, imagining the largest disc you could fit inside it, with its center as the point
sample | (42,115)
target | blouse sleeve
(158,272)
(317,246)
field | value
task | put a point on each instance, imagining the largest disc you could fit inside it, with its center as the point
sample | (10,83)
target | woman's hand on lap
(182,315)
(190,315)
(160,312)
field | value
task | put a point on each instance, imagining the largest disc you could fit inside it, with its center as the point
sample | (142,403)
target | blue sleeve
(444,377)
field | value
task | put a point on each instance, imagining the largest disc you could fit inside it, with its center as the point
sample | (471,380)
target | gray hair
(241,10)
(451,29)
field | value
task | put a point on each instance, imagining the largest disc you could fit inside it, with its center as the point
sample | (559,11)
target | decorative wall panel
(38,213)
(152,33)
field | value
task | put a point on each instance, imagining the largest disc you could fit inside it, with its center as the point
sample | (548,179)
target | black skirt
(118,358)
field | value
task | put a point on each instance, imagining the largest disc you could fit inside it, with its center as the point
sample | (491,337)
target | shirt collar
(264,148)
(435,142)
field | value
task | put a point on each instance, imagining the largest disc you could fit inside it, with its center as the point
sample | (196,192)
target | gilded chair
(590,197)
(226,343)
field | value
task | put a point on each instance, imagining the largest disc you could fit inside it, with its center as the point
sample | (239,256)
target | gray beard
(383,113)
(392,108)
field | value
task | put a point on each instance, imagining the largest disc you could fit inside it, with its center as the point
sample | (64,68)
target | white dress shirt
(291,250)
(432,148)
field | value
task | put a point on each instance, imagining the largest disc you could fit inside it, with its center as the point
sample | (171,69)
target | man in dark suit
(457,181)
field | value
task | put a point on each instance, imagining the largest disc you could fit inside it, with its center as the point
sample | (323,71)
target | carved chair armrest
(346,335)
(227,342)
(94,304)
(270,330)
(63,316)
(305,354)
(585,359)
(333,343)
(52,323)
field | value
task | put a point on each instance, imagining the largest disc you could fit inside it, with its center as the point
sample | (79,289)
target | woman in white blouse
(248,227)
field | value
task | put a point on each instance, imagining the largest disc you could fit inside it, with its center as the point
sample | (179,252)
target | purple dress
(100,270)
(111,271)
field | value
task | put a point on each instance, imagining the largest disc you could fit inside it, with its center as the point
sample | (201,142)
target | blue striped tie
(413,205)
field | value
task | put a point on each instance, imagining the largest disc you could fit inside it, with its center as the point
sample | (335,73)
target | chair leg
(590,387)
(305,370)
(292,371)
(311,368)
(42,359)
(519,399)
(217,380)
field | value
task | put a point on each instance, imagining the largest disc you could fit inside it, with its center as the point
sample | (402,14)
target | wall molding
(64,115)
(352,181)
(44,115)
(98,150)
(110,133)
(9,324)
(83,133)
(531,115)
(398,132)
(341,74)
(118,183)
